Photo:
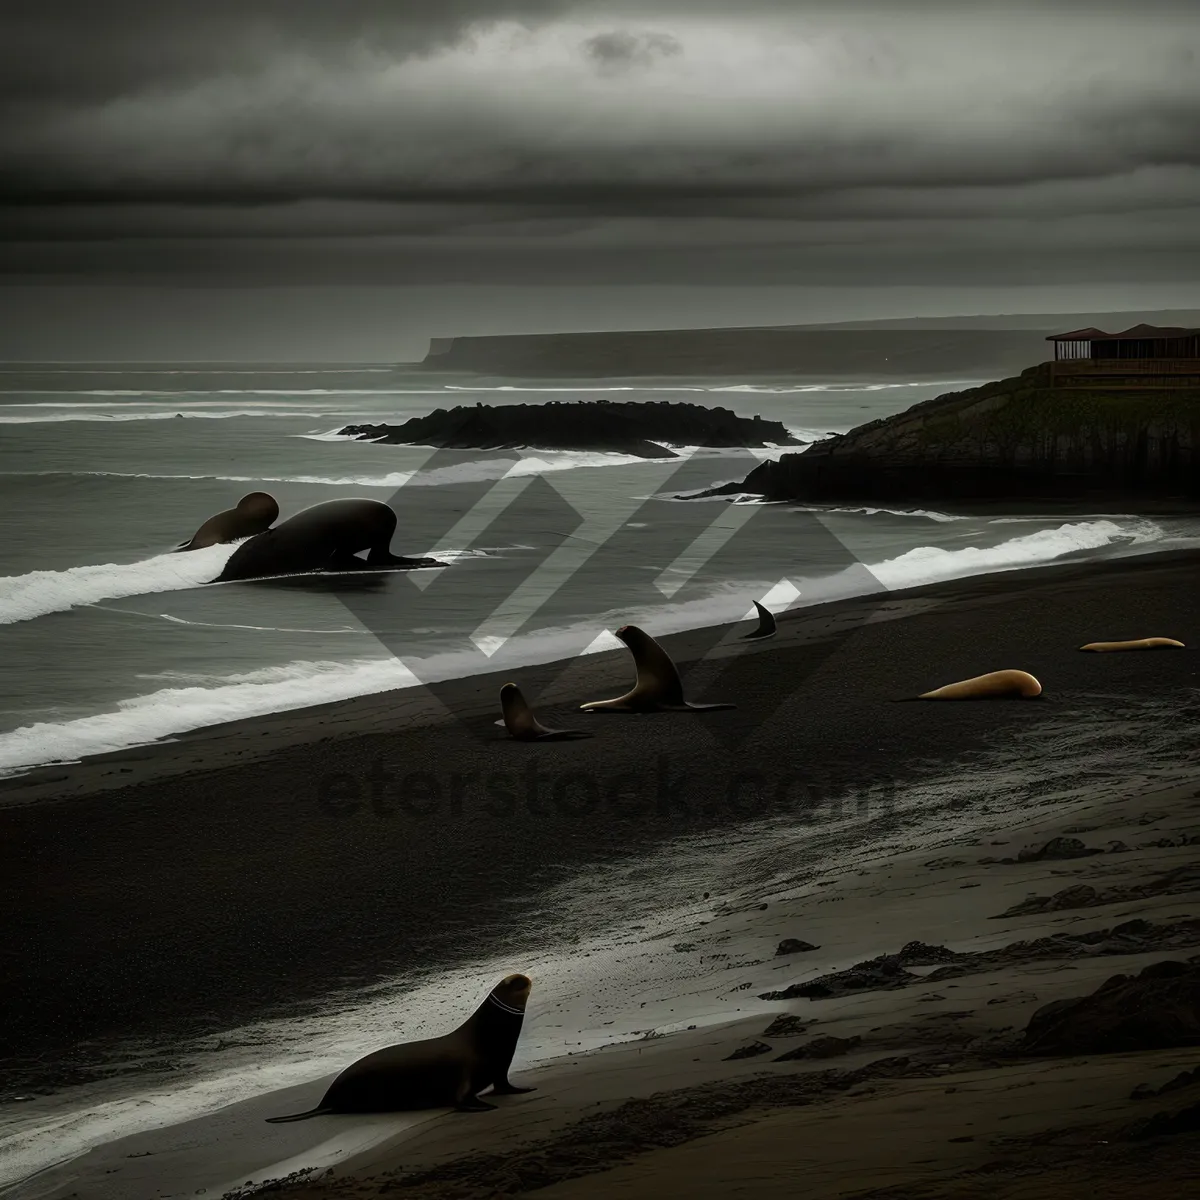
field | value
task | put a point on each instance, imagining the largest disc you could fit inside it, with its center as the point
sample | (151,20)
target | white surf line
(477,520)
(214,625)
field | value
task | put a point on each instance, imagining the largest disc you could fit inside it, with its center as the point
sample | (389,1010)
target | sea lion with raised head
(325,537)
(995,685)
(1150,643)
(520,720)
(658,687)
(766,625)
(253,513)
(447,1071)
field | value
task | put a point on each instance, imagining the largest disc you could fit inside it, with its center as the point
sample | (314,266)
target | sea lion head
(259,506)
(512,992)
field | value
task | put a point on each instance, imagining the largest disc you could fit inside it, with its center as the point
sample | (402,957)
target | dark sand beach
(180,890)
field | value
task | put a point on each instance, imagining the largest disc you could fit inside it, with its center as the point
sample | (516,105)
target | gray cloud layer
(880,129)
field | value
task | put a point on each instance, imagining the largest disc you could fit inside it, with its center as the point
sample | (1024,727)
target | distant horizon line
(352,365)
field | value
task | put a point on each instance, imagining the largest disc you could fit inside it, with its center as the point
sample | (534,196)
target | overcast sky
(793,145)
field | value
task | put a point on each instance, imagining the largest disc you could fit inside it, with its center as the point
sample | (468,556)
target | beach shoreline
(195,902)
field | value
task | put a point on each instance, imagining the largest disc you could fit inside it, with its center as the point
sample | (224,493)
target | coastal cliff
(1014,437)
(624,427)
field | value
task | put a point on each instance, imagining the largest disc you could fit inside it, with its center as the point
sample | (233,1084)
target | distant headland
(646,429)
(929,348)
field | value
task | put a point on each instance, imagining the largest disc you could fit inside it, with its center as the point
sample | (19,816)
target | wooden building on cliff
(1146,356)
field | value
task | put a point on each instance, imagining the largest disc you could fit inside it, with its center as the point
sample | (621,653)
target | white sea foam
(926,514)
(165,415)
(927,564)
(205,700)
(24,597)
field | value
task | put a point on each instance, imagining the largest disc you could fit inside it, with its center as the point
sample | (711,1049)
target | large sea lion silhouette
(439,1072)
(253,513)
(325,537)
(658,687)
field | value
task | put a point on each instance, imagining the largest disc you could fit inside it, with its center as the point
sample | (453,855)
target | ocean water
(110,640)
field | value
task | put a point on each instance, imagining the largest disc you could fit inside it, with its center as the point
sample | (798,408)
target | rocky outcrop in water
(1017,437)
(627,427)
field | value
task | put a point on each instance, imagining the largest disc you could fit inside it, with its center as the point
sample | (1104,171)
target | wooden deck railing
(1126,372)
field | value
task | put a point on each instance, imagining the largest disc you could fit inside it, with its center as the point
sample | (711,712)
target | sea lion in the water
(520,721)
(766,625)
(993,686)
(658,687)
(253,513)
(1150,643)
(325,537)
(445,1071)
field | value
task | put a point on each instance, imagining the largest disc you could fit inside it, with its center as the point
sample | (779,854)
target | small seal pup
(995,685)
(446,1071)
(520,721)
(766,625)
(254,513)
(658,687)
(1150,643)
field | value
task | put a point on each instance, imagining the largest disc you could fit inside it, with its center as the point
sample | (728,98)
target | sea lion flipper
(766,625)
(510,1089)
(658,687)
(474,1104)
(312,1112)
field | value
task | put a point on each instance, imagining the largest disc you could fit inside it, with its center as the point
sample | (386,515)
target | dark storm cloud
(622,48)
(867,130)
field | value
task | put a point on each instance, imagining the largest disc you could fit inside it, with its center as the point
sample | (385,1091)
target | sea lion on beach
(325,537)
(520,721)
(658,687)
(445,1071)
(766,625)
(995,685)
(254,513)
(1150,643)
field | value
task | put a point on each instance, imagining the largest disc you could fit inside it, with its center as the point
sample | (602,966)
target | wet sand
(254,869)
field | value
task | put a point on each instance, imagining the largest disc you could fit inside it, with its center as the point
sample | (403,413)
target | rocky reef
(627,427)
(1017,437)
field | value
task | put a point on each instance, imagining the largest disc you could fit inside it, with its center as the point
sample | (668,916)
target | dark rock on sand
(752,1050)
(1182,879)
(627,427)
(888,971)
(1156,1009)
(1184,1079)
(822,1047)
(1078,896)
(785,1025)
(794,946)
(878,974)
(1056,848)
(1163,1124)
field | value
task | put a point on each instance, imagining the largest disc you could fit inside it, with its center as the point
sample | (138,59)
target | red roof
(1137,332)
